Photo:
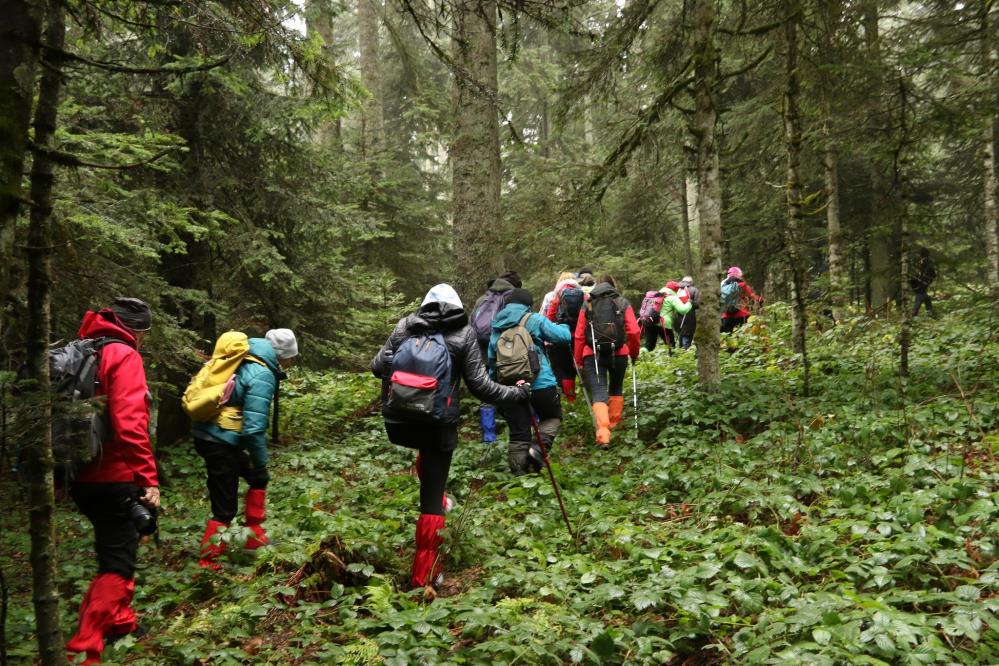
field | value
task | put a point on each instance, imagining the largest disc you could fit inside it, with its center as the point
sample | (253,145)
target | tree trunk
(832,14)
(902,185)
(45,593)
(372,112)
(702,128)
(318,20)
(882,275)
(688,250)
(795,215)
(20,29)
(991,205)
(989,137)
(475,151)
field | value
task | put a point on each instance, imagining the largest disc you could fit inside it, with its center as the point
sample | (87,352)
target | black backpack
(570,301)
(79,420)
(605,323)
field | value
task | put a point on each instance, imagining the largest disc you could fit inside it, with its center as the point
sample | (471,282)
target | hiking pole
(551,475)
(634,394)
(593,338)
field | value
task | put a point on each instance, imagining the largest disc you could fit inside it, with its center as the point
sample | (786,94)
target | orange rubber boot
(616,407)
(603,424)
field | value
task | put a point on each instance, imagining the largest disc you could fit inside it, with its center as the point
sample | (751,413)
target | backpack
(683,295)
(570,301)
(652,305)
(516,355)
(482,318)
(419,388)
(730,296)
(79,419)
(210,390)
(605,323)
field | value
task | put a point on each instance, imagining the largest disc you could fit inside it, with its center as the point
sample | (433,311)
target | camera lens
(140,515)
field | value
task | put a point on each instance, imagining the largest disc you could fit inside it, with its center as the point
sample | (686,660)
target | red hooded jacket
(128,456)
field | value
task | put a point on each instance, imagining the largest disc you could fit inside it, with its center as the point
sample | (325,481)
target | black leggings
(729,324)
(433,468)
(560,357)
(225,465)
(653,333)
(546,405)
(115,538)
(610,379)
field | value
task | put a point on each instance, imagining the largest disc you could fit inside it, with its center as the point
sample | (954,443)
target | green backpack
(516,355)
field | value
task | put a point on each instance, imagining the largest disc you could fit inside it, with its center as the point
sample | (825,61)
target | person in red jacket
(107,489)
(735,316)
(604,374)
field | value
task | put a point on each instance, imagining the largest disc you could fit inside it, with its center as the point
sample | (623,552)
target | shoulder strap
(523,320)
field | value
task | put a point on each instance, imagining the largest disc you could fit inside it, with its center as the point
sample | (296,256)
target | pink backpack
(652,305)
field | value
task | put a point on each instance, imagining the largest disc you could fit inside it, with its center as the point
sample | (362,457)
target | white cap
(443,293)
(284,342)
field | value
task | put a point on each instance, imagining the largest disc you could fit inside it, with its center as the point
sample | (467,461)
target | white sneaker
(448,504)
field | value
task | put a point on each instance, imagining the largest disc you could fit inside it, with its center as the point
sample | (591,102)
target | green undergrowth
(753,525)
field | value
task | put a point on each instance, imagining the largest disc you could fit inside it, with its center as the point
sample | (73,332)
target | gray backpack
(516,356)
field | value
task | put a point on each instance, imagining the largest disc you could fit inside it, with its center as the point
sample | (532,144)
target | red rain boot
(254,514)
(210,552)
(569,389)
(428,541)
(106,607)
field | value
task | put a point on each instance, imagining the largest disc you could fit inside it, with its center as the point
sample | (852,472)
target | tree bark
(832,11)
(794,232)
(318,20)
(989,137)
(702,128)
(20,29)
(880,229)
(475,151)
(372,113)
(45,593)
(991,205)
(688,250)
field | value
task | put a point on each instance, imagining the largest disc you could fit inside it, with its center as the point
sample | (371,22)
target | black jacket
(466,361)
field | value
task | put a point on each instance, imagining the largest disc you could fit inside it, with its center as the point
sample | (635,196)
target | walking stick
(551,475)
(634,394)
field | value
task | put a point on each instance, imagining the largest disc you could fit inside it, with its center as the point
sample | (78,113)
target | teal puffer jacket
(254,391)
(542,330)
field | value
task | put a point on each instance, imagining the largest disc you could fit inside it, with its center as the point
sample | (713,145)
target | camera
(141,516)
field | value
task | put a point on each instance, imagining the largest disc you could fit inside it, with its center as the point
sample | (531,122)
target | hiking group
(515,360)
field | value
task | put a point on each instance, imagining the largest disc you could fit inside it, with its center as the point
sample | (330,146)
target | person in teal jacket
(231,454)
(544,389)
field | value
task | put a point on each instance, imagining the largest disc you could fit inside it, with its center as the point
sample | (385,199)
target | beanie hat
(673,285)
(513,277)
(133,313)
(284,342)
(689,280)
(735,272)
(520,296)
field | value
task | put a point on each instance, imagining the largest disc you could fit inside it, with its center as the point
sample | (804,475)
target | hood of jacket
(501,284)
(509,316)
(604,289)
(104,323)
(438,316)
(262,349)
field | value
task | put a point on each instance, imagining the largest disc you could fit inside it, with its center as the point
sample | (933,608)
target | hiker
(486,307)
(650,319)
(676,304)
(239,450)
(564,309)
(544,395)
(560,281)
(121,482)
(736,297)
(686,325)
(421,366)
(608,317)
(923,274)
(585,279)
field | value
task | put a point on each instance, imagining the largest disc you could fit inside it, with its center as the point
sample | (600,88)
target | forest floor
(859,525)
